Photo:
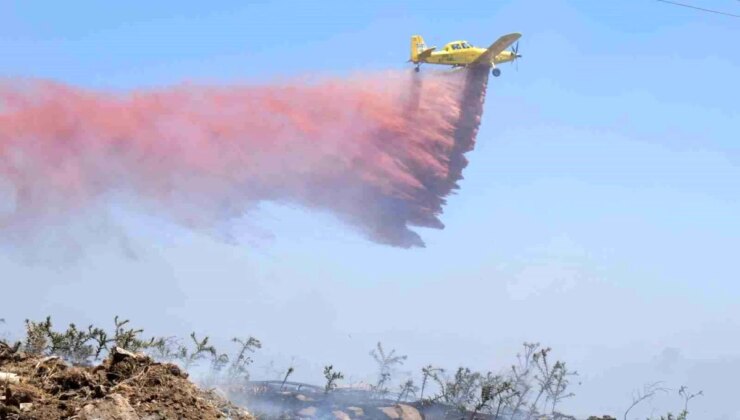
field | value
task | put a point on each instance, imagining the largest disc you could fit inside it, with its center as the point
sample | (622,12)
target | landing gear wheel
(416,69)
(496,72)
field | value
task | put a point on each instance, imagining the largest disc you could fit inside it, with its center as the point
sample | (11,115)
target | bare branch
(648,391)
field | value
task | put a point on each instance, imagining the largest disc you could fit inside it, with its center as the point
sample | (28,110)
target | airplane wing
(426,53)
(501,44)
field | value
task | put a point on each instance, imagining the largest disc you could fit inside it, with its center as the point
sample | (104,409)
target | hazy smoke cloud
(380,151)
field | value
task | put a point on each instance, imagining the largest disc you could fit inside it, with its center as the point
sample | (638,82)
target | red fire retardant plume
(380,151)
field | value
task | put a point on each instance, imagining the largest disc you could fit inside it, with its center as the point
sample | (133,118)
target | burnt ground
(125,386)
(292,400)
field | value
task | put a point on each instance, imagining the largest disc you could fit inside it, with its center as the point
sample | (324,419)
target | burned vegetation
(92,373)
(531,389)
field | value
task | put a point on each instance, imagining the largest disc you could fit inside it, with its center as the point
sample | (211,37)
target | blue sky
(598,214)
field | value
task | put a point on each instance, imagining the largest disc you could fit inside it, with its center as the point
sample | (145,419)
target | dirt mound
(126,386)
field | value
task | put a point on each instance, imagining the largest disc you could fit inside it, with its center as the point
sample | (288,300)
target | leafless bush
(285,379)
(460,391)
(3,336)
(387,363)
(648,392)
(331,378)
(521,376)
(199,351)
(496,393)
(552,381)
(239,365)
(407,389)
(687,396)
(129,338)
(429,372)
(166,349)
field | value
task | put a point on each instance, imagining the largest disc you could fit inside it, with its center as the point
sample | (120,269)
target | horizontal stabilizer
(426,53)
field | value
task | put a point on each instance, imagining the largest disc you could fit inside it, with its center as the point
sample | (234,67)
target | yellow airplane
(462,54)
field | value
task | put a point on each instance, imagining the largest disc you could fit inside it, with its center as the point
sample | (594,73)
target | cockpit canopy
(457,45)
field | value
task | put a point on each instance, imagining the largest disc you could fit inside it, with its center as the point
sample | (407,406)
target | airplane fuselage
(463,56)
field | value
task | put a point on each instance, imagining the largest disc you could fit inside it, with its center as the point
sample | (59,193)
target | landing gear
(417,68)
(496,72)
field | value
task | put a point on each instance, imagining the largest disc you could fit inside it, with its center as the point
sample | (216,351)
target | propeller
(515,51)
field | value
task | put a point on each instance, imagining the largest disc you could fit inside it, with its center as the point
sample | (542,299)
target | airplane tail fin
(417,46)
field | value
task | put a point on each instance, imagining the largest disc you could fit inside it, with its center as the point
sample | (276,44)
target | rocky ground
(276,400)
(309,402)
(126,386)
